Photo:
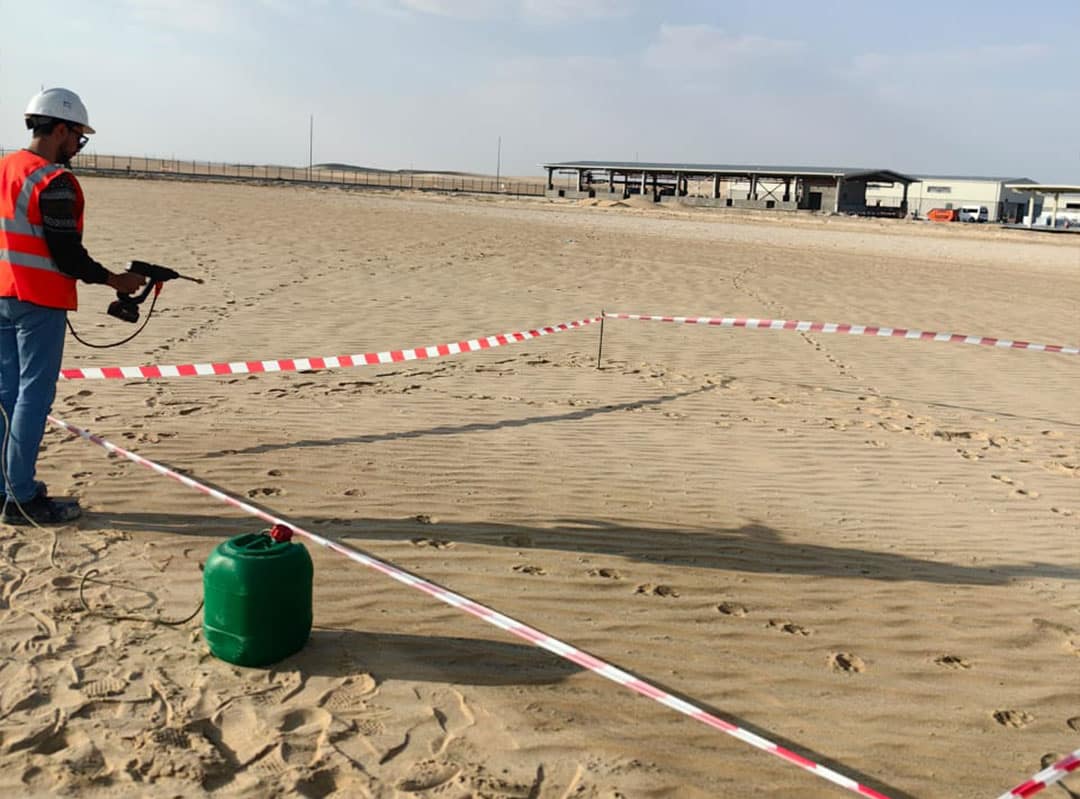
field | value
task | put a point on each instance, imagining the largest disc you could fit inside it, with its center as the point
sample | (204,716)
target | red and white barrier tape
(1047,776)
(852,330)
(493,617)
(326,362)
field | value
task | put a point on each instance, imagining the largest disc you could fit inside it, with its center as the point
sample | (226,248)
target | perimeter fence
(184,169)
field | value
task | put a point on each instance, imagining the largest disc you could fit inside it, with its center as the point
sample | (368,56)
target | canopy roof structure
(1045,188)
(1056,213)
(762,170)
(746,186)
(991,178)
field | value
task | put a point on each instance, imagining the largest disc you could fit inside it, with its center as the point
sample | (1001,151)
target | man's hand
(126,282)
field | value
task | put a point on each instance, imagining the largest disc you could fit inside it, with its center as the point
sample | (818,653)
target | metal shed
(754,186)
(997,194)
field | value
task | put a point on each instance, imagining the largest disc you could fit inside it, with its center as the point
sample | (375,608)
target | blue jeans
(31,347)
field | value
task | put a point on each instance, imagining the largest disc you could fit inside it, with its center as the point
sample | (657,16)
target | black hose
(146,321)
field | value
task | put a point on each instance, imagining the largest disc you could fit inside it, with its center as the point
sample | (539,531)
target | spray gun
(126,306)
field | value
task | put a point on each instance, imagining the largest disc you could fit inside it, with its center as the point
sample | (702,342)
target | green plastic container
(257,595)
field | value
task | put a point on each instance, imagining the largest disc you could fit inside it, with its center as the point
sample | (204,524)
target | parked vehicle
(942,215)
(974,213)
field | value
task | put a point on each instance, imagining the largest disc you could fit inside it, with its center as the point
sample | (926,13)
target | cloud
(707,48)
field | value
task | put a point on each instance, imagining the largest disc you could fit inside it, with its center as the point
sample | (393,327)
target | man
(41,257)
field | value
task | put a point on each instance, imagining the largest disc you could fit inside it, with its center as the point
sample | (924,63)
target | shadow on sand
(751,548)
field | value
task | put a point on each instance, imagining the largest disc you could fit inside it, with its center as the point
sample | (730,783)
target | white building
(1053,206)
(1002,203)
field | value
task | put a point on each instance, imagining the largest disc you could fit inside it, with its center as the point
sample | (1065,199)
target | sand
(863,549)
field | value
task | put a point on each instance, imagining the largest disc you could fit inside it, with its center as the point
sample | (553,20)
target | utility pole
(498,164)
(310,146)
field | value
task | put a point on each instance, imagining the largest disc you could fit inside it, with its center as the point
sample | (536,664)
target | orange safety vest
(27,269)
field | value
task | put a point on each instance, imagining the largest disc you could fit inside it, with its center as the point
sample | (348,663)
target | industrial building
(781,188)
(1056,207)
(1003,202)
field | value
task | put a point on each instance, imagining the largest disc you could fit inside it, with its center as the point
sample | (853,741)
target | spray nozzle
(281,533)
(126,306)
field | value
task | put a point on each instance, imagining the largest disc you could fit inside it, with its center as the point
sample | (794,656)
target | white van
(974,213)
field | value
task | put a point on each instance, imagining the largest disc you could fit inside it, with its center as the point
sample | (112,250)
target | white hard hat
(60,104)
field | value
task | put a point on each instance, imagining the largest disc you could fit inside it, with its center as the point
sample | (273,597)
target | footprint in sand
(272,765)
(265,492)
(106,687)
(1004,478)
(607,574)
(952,662)
(847,663)
(430,775)
(284,686)
(20,695)
(527,569)
(962,435)
(352,695)
(1016,719)
(424,518)
(368,727)
(434,543)
(320,783)
(1025,493)
(1066,468)
(1074,723)
(517,540)
(239,730)
(656,590)
(305,721)
(788,627)
(171,737)
(1045,624)
(732,609)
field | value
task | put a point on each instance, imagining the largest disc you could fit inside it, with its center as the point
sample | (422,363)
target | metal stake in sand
(600,349)
(493,617)
(1047,776)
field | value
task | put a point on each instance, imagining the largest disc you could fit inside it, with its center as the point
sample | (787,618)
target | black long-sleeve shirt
(57,202)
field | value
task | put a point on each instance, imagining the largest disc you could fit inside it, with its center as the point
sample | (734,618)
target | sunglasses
(77,130)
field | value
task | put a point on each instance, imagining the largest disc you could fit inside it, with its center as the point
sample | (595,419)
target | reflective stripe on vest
(27,269)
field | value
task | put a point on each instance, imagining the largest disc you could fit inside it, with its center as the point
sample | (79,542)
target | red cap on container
(281,533)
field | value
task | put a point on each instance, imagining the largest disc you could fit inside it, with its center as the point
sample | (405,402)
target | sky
(977,88)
